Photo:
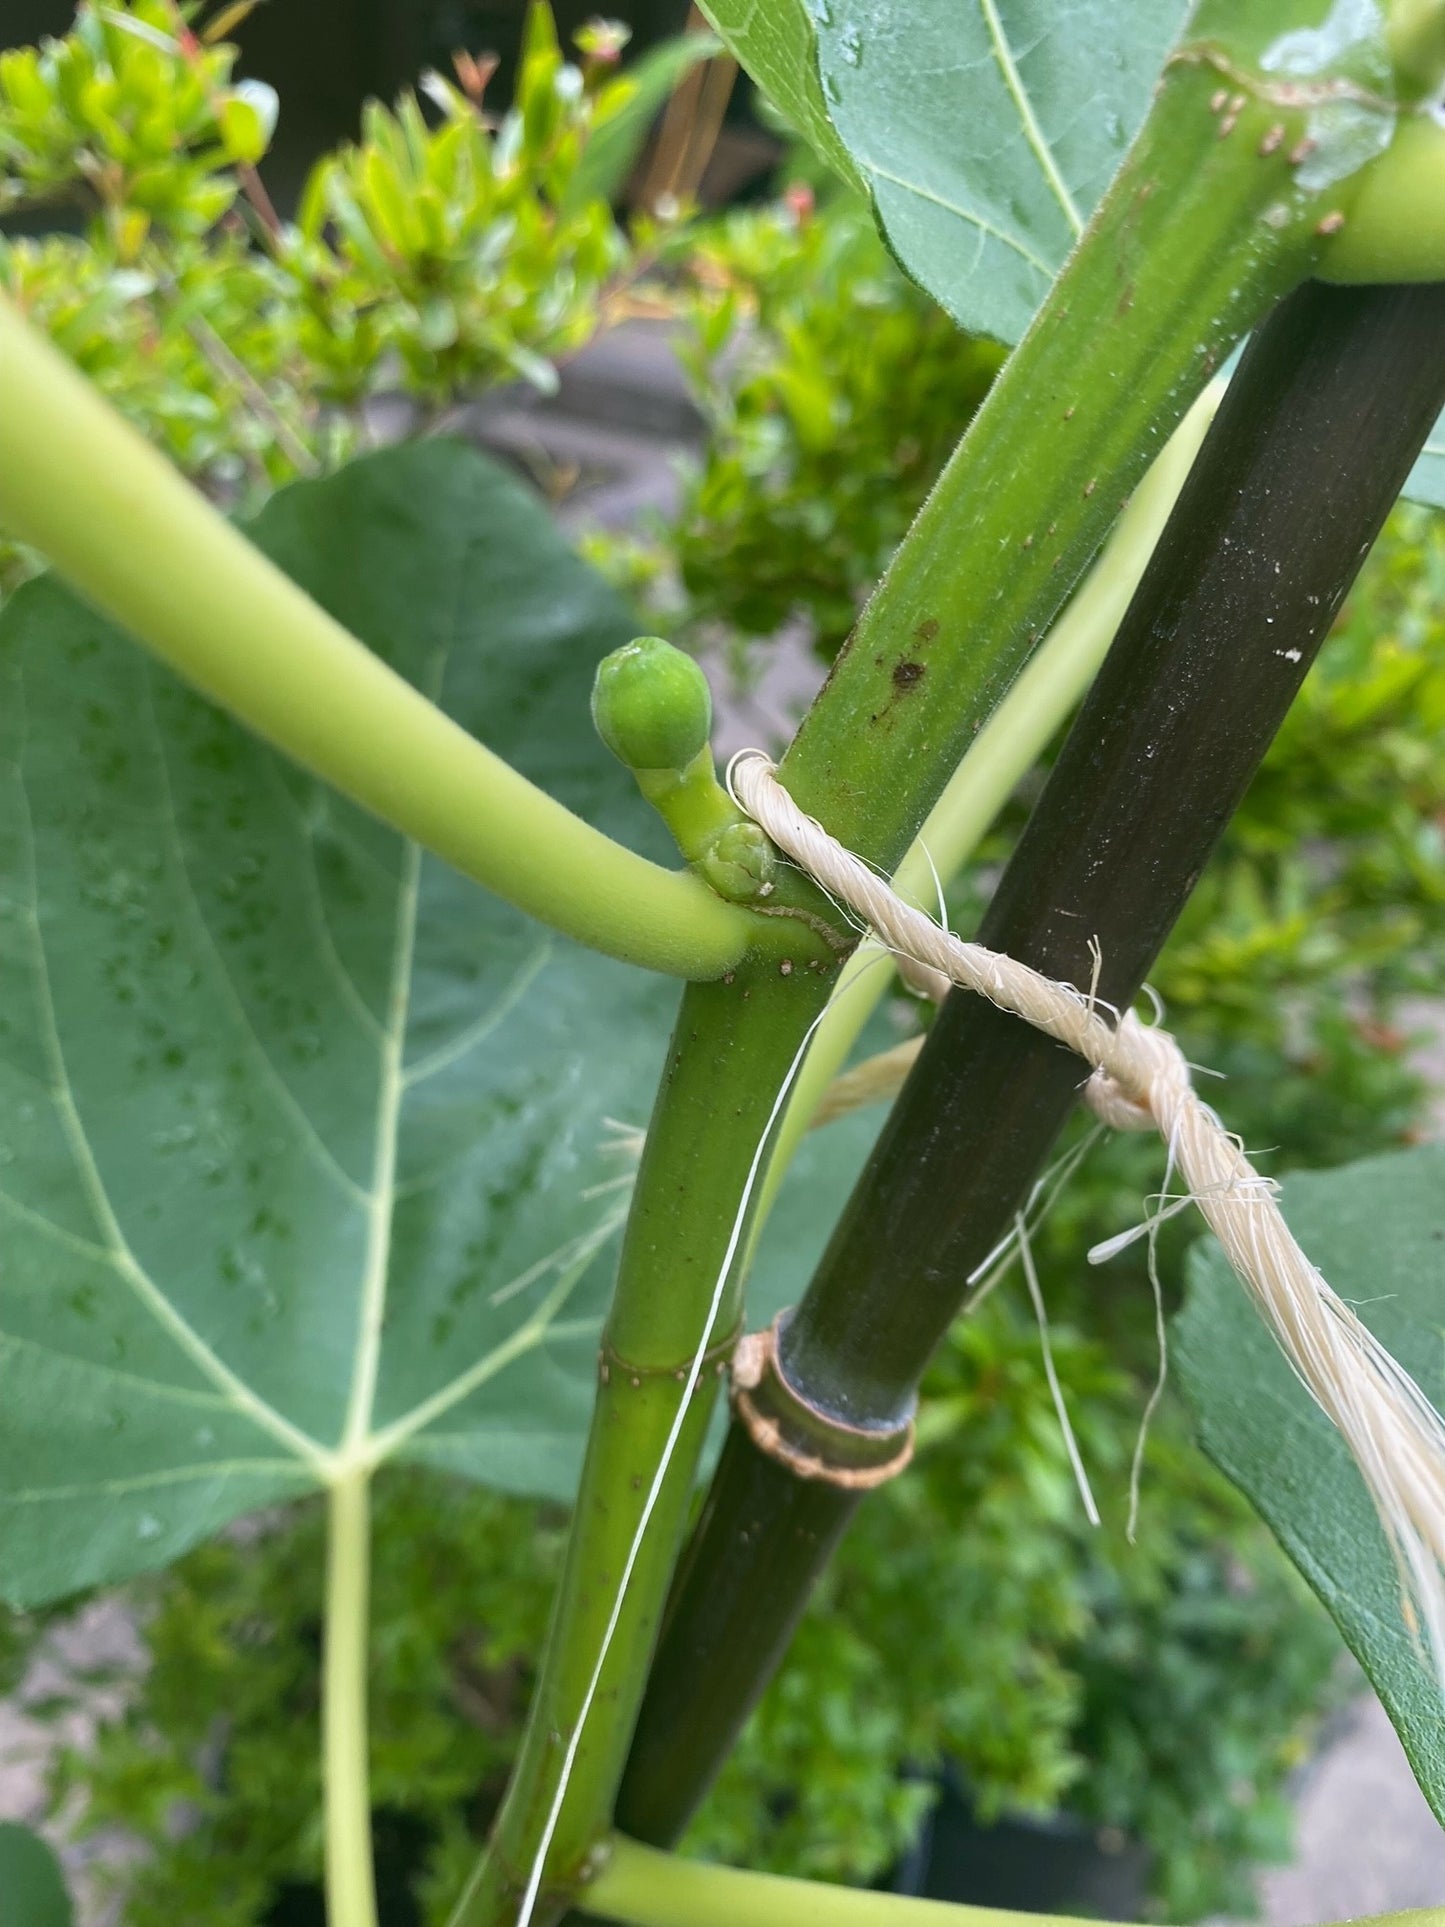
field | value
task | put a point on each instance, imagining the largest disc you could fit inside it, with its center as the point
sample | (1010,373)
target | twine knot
(1143,1080)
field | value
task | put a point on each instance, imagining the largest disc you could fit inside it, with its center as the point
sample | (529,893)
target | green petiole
(79,484)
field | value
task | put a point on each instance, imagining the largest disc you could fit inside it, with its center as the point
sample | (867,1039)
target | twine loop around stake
(1140,1080)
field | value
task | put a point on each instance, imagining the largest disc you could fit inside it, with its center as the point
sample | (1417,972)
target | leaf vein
(575,1256)
(85,1247)
(146,1482)
(1033,132)
(366,1366)
(153,1387)
(155,1301)
(986,228)
(320,1150)
(475,1033)
(316,903)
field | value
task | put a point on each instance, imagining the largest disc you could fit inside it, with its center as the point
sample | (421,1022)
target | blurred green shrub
(833,392)
(447,252)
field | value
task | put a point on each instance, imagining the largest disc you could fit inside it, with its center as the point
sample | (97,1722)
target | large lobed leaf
(985,132)
(307,1145)
(1377,1232)
(297,1129)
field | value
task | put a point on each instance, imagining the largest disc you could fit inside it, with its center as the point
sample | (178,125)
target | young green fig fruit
(652,705)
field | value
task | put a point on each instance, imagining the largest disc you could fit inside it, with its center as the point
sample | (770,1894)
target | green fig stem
(1006,748)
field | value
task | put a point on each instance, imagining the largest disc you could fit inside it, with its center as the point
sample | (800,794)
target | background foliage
(448,251)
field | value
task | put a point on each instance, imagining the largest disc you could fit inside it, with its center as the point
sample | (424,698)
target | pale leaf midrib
(371,1318)
(1033,133)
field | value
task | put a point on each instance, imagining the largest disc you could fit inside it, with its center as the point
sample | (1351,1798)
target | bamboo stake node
(811,1443)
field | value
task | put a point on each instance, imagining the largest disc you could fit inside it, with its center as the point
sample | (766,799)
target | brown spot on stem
(1273,140)
(1301,151)
(1332,223)
(906,674)
(1089,487)
(927,629)
(1217,100)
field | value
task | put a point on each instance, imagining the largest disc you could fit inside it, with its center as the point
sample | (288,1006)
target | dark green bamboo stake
(1324,417)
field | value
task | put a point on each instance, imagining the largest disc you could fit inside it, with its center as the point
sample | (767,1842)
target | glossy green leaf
(300,1133)
(987,132)
(32,1889)
(774,40)
(1377,1231)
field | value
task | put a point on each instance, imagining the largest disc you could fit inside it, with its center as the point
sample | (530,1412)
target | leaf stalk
(79,484)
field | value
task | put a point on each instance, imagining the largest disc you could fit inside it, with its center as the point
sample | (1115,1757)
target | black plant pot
(1055,1864)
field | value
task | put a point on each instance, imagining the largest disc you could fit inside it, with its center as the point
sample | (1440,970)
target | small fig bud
(738,863)
(652,705)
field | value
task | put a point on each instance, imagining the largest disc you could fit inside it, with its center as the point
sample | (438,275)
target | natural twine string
(1141,1081)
